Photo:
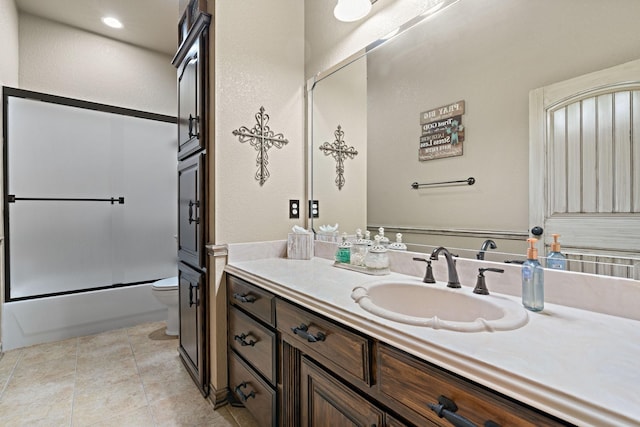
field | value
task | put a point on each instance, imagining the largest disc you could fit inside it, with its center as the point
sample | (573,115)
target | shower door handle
(191,288)
(191,205)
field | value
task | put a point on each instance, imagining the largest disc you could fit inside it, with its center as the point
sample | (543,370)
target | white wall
(260,64)
(8,77)
(69,62)
(9,37)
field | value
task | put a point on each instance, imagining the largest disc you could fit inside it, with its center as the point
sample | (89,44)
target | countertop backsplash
(602,294)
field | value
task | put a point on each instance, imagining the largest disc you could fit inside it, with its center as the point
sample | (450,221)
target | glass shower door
(67,170)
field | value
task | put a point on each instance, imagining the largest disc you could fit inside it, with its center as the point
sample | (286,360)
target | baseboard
(218,398)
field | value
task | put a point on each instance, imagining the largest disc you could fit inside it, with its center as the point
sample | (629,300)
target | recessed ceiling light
(112,22)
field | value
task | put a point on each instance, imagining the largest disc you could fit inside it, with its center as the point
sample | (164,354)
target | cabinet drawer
(256,395)
(254,342)
(416,384)
(251,299)
(338,349)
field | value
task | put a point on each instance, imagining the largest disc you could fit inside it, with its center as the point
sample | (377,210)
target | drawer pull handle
(245,298)
(244,397)
(302,331)
(447,408)
(242,340)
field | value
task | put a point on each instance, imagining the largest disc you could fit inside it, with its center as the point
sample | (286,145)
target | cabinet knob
(240,393)
(242,340)
(245,298)
(191,288)
(447,408)
(192,120)
(302,331)
(191,205)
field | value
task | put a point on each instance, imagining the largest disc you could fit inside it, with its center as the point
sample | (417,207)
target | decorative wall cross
(339,151)
(261,137)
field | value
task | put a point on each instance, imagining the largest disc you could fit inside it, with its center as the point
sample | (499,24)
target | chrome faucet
(453,282)
(487,244)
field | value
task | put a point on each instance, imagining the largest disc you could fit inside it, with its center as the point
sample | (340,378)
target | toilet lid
(168,284)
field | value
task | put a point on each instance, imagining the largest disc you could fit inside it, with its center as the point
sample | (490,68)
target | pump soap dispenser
(343,254)
(556,259)
(532,279)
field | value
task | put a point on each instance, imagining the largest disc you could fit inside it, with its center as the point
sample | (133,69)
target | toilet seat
(168,284)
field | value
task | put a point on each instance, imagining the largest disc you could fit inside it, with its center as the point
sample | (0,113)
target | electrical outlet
(294,208)
(314,209)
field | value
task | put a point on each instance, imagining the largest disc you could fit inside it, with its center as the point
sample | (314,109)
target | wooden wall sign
(442,133)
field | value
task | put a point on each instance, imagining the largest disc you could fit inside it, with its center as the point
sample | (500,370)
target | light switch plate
(294,208)
(314,209)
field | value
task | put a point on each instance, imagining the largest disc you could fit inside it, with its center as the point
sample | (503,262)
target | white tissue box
(300,246)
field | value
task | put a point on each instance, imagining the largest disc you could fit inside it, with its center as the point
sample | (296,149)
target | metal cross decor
(261,137)
(339,151)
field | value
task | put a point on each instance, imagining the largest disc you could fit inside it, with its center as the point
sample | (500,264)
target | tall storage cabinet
(192,72)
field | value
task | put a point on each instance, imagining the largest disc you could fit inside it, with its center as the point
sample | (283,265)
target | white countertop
(581,366)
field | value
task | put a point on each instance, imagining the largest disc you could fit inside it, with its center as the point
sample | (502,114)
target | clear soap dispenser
(532,279)
(556,259)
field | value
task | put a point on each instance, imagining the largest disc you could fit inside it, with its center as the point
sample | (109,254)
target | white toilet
(166,291)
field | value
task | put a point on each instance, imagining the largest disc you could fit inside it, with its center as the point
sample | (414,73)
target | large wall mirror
(365,121)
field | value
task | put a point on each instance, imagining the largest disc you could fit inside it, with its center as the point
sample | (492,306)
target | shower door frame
(8,92)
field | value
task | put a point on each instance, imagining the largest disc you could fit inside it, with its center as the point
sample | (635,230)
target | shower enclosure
(90,196)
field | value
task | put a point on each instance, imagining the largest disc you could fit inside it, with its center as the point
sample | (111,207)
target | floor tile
(43,371)
(66,349)
(129,377)
(105,373)
(188,408)
(105,400)
(137,418)
(46,403)
(142,344)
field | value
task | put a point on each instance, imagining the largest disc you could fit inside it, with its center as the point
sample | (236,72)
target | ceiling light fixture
(112,22)
(352,10)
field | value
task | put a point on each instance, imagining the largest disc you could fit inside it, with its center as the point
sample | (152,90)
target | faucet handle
(481,285)
(428,275)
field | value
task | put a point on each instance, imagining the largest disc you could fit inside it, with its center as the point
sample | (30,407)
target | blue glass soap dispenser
(532,279)
(556,259)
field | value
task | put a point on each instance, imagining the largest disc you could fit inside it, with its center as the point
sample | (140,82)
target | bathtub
(56,318)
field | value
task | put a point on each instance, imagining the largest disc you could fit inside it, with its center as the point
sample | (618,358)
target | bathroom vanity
(302,352)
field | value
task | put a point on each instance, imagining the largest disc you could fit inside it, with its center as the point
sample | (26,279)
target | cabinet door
(190,86)
(325,402)
(192,296)
(191,210)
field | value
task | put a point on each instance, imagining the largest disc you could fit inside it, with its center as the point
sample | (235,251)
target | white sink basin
(439,307)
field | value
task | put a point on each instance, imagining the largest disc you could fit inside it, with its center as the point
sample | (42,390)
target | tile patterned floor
(127,377)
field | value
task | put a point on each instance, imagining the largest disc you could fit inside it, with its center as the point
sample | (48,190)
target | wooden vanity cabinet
(331,375)
(253,349)
(410,385)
